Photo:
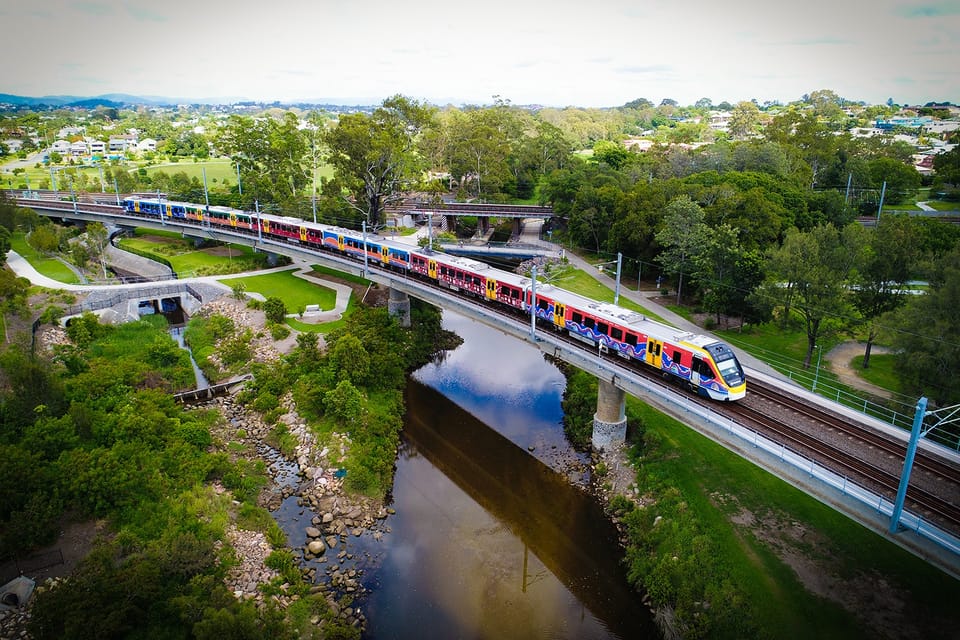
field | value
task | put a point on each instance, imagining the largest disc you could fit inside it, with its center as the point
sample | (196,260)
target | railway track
(852,450)
(855,451)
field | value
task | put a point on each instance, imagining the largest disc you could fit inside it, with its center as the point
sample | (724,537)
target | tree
(611,153)
(98,239)
(947,166)
(810,274)
(723,272)
(270,154)
(926,335)
(374,154)
(683,237)
(891,256)
(4,244)
(44,239)
(744,120)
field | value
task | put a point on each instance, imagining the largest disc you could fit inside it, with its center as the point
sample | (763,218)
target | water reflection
(488,540)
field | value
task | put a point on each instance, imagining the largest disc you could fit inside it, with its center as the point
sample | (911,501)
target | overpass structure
(447,212)
(614,379)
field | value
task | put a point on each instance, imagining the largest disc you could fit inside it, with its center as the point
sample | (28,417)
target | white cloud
(567,52)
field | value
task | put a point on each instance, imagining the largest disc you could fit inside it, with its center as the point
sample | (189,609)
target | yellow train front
(700,363)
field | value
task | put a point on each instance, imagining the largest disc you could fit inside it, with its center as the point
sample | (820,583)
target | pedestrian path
(22,268)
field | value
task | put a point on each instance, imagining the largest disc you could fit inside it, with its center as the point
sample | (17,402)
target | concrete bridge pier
(399,306)
(610,421)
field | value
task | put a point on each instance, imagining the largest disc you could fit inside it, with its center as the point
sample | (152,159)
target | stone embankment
(315,483)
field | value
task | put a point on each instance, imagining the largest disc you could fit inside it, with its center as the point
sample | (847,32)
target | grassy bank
(45,265)
(777,562)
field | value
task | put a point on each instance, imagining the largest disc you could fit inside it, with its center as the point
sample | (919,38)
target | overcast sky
(591,53)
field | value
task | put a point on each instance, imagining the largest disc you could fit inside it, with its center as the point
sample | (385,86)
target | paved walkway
(22,267)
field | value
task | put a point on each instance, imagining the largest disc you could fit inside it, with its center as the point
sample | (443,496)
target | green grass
(578,281)
(187,260)
(50,267)
(881,371)
(719,485)
(295,292)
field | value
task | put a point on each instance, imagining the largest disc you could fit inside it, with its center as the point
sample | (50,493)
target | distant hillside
(121,99)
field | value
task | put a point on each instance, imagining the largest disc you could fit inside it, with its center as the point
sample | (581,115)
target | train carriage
(705,365)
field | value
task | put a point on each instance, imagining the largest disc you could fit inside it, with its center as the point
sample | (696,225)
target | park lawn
(220,171)
(39,178)
(50,267)
(725,491)
(881,371)
(295,292)
(186,260)
(323,327)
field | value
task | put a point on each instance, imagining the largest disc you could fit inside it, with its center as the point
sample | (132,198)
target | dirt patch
(75,541)
(222,251)
(841,358)
(867,596)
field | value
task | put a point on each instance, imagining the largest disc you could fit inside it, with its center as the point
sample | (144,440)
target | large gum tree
(374,155)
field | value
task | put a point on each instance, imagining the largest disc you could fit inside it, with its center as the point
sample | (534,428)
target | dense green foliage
(352,388)
(93,433)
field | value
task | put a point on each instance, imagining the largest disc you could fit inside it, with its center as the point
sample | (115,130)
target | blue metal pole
(616,295)
(908,464)
(533,303)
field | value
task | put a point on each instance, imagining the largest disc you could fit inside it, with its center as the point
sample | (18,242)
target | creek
(494,534)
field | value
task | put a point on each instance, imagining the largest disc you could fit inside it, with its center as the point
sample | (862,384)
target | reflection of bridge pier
(563,526)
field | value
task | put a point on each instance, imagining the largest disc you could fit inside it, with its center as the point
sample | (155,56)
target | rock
(327,518)
(332,541)
(313,532)
(316,547)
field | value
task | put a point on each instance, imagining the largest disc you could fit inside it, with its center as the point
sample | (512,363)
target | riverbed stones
(313,532)
(317,547)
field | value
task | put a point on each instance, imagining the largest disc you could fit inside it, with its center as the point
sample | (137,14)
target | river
(493,535)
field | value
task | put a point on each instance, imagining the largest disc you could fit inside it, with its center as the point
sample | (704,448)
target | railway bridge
(615,380)
(610,421)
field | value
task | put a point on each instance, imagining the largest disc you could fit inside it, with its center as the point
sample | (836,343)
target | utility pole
(616,295)
(883,192)
(363,225)
(533,303)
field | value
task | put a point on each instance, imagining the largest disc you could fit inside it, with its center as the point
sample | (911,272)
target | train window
(514,293)
(603,327)
(616,334)
(543,304)
(676,357)
(577,317)
(631,340)
(589,322)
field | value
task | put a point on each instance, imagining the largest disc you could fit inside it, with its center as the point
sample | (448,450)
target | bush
(278,331)
(275,309)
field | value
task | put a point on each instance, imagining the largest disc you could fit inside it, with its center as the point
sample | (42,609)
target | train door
(385,255)
(266,225)
(340,242)
(233,219)
(654,352)
(432,269)
(491,289)
(303,234)
(559,313)
(699,371)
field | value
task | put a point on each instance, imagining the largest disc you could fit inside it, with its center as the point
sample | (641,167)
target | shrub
(275,309)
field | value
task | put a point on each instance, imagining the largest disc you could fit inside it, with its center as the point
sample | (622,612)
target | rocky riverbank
(313,477)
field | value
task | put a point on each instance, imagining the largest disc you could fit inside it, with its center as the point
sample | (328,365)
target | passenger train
(704,365)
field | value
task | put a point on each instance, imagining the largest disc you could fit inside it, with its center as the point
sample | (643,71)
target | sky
(586,53)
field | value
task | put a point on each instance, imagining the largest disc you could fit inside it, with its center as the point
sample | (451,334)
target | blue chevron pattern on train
(702,364)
